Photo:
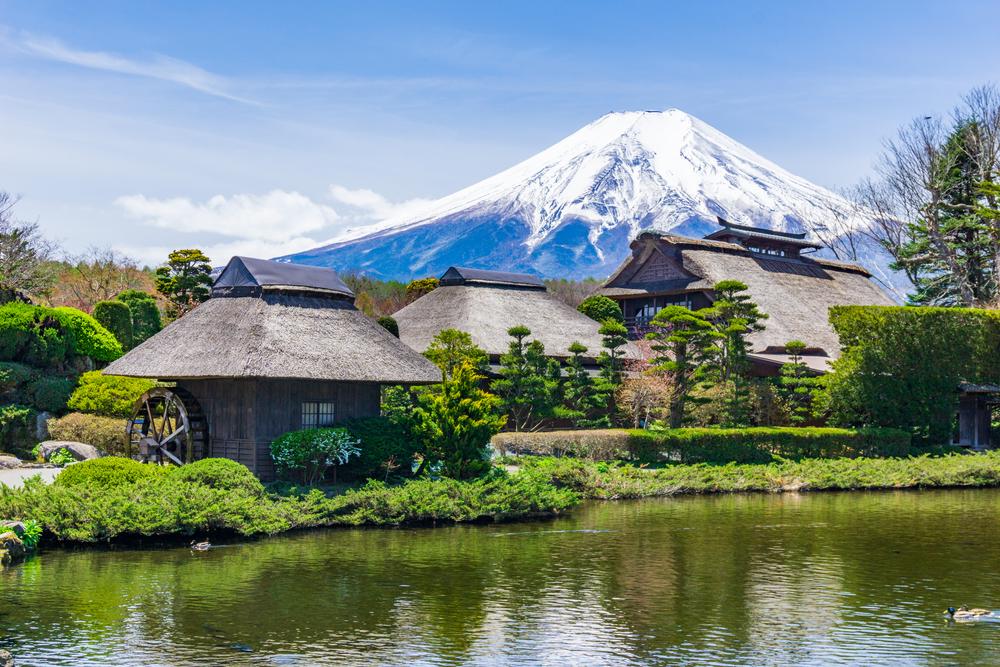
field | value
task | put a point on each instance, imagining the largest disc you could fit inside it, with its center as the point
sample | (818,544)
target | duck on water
(963,613)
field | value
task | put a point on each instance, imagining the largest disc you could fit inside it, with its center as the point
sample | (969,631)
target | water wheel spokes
(167,427)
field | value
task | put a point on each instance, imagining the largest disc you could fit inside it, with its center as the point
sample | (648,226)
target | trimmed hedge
(381,440)
(108,395)
(108,472)
(105,433)
(224,474)
(708,445)
(51,393)
(145,314)
(44,337)
(116,317)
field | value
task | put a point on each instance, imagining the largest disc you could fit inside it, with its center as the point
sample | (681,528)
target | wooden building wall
(245,416)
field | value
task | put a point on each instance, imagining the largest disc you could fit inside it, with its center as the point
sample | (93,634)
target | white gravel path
(14,477)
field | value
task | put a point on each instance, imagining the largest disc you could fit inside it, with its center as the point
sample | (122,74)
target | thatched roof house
(277,347)
(794,289)
(485,304)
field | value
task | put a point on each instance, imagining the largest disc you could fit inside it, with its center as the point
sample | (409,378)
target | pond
(857,578)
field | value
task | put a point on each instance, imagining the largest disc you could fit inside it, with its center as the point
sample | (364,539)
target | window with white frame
(317,414)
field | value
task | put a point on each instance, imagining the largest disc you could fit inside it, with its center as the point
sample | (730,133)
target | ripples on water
(737,580)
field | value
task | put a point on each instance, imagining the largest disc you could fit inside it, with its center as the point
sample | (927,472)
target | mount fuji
(571,210)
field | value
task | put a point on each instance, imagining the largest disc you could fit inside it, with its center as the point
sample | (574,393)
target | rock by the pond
(6,658)
(9,461)
(15,527)
(11,548)
(80,451)
(42,426)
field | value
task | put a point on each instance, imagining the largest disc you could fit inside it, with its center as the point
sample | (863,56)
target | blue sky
(263,128)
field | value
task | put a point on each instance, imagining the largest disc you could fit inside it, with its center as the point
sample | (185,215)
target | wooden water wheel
(167,426)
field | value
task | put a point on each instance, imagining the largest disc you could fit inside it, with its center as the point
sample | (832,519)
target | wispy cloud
(157,66)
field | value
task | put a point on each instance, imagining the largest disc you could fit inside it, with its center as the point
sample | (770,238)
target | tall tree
(580,397)
(930,198)
(796,384)
(184,280)
(685,346)
(614,338)
(25,269)
(99,274)
(734,317)
(527,384)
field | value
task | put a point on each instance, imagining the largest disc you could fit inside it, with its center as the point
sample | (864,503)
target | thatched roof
(486,312)
(796,293)
(279,333)
(249,275)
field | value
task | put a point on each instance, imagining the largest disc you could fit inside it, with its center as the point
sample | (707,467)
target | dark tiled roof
(457,275)
(248,272)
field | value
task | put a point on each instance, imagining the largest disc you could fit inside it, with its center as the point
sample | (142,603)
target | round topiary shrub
(107,472)
(34,335)
(108,395)
(146,319)
(601,309)
(116,317)
(51,394)
(88,338)
(217,473)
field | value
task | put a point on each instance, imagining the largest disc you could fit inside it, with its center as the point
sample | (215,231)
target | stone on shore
(9,461)
(80,451)
(11,548)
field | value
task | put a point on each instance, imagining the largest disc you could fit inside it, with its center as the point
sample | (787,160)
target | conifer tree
(796,384)
(685,346)
(614,337)
(451,347)
(580,397)
(528,382)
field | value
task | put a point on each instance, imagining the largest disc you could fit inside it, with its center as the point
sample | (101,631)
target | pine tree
(734,316)
(451,347)
(454,421)
(527,385)
(184,280)
(685,346)
(614,337)
(796,384)
(580,397)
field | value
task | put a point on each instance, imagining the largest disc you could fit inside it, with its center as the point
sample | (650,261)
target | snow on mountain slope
(571,210)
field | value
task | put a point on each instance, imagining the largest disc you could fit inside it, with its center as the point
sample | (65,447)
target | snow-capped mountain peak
(570,210)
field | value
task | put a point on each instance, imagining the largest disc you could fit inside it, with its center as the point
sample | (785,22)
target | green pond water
(858,578)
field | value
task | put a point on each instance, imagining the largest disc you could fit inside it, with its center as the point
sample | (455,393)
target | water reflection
(812,579)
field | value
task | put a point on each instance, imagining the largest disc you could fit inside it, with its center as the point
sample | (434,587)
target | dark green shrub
(709,445)
(17,429)
(308,453)
(14,379)
(33,335)
(145,314)
(50,394)
(223,474)
(601,309)
(108,395)
(389,324)
(105,433)
(116,317)
(901,366)
(87,337)
(386,449)
(111,471)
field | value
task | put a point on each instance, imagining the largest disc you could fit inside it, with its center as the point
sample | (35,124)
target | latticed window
(316,414)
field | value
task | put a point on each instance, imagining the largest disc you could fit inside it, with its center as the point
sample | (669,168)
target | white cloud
(158,66)
(373,207)
(220,253)
(277,216)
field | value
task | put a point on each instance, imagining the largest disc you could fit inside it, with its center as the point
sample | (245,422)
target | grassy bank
(612,481)
(90,504)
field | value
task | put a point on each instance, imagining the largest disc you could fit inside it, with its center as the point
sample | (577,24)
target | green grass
(612,481)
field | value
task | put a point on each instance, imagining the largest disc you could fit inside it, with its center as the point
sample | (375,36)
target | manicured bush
(88,338)
(107,472)
(33,335)
(116,317)
(224,474)
(98,501)
(709,445)
(51,393)
(389,324)
(308,453)
(14,379)
(108,395)
(901,366)
(17,429)
(105,433)
(145,314)
(601,308)
(387,448)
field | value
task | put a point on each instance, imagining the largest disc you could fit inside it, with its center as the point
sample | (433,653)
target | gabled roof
(731,229)
(243,273)
(796,293)
(458,275)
